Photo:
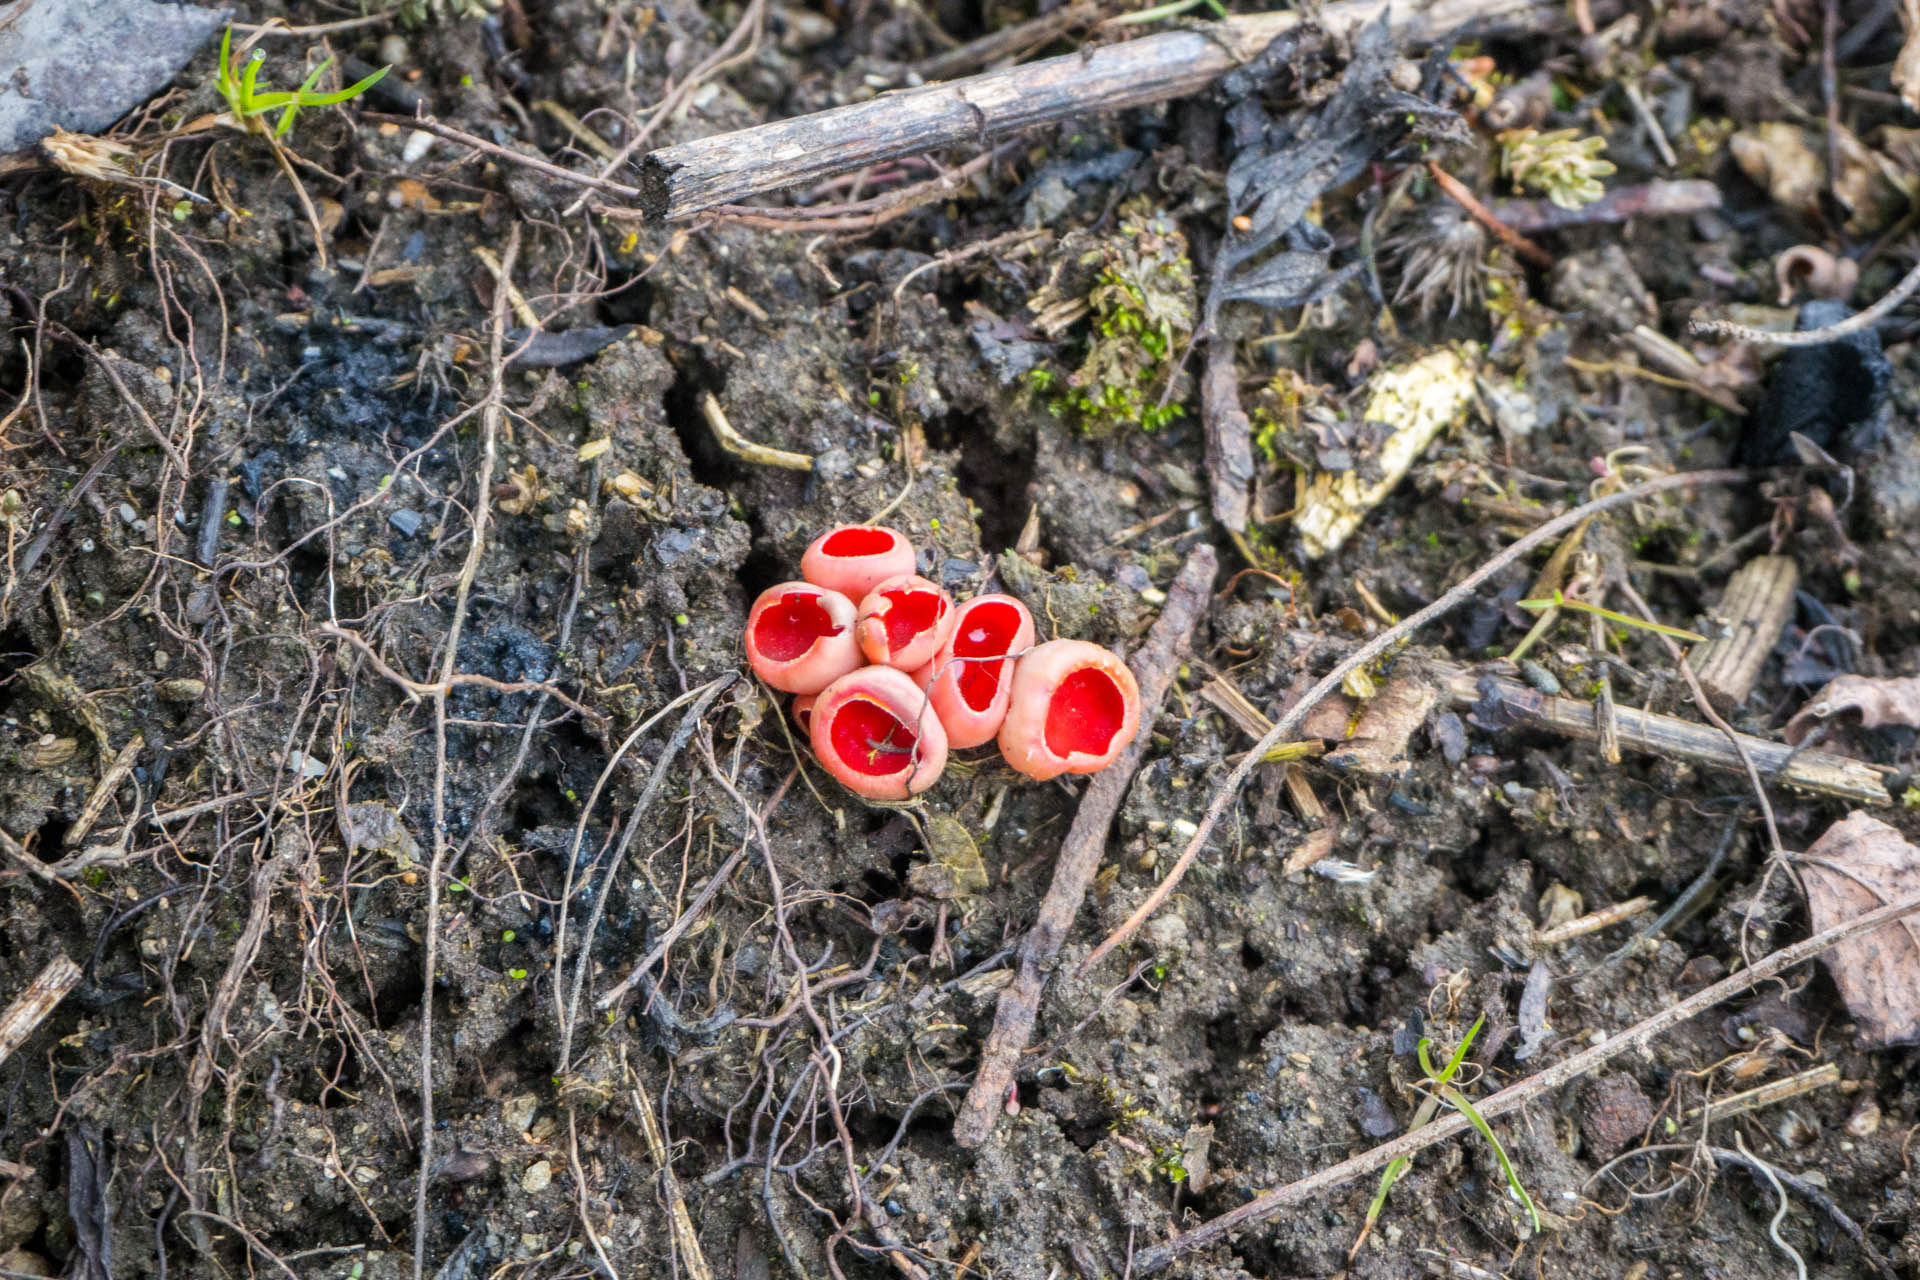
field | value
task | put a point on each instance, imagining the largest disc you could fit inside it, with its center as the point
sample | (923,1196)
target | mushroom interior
(1085,712)
(870,739)
(909,612)
(854,543)
(986,632)
(789,628)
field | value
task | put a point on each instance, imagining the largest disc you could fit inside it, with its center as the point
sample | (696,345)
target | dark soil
(240,488)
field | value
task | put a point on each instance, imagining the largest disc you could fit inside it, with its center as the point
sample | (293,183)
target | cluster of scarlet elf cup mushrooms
(890,674)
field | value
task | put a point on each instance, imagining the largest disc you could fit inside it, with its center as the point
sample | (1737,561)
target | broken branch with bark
(679,181)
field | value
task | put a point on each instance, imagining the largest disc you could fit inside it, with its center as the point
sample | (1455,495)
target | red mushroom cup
(1073,707)
(803,711)
(970,679)
(856,558)
(903,621)
(800,637)
(875,733)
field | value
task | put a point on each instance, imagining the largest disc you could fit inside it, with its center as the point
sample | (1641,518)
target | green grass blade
(260,104)
(1458,1101)
(313,78)
(1459,1054)
(1619,619)
(1387,1179)
(248,78)
(351,91)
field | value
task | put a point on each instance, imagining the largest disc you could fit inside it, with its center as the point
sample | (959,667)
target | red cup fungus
(800,637)
(855,558)
(943,677)
(903,621)
(875,732)
(970,679)
(1073,707)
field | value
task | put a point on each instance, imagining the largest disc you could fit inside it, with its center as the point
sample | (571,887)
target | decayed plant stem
(24,1016)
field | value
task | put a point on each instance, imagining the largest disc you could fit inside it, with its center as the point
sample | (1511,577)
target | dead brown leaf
(1879,702)
(1860,865)
(1906,66)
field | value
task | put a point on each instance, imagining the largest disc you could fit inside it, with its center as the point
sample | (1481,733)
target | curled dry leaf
(1894,700)
(1860,865)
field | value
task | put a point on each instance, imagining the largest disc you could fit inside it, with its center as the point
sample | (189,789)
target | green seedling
(238,81)
(1561,602)
(1442,1090)
(1173,9)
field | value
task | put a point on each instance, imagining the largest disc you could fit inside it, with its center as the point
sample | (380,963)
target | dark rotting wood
(679,181)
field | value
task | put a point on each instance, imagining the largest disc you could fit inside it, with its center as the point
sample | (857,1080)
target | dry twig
(491,415)
(683,180)
(1457,191)
(1855,323)
(1154,664)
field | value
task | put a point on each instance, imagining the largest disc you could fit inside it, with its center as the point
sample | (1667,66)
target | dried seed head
(86,156)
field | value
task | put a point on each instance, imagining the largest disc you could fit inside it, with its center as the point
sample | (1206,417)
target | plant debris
(1878,701)
(1273,254)
(1861,864)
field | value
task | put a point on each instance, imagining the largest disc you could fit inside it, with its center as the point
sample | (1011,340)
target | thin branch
(490,419)
(1155,665)
(1826,333)
(1457,190)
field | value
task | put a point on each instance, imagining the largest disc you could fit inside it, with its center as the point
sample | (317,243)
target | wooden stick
(1154,664)
(1229,436)
(1485,217)
(1514,1096)
(1672,737)
(679,181)
(24,1016)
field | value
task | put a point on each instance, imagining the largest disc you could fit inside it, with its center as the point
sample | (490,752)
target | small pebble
(407,522)
(1539,677)
(538,1178)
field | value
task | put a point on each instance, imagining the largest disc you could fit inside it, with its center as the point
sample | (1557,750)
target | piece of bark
(1745,625)
(679,181)
(31,1007)
(1229,437)
(1154,666)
